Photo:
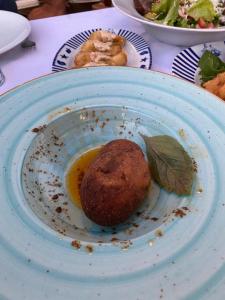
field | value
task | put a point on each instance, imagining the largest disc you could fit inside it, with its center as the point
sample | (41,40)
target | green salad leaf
(172,14)
(210,65)
(202,9)
(161,8)
(171,166)
(180,22)
(165,11)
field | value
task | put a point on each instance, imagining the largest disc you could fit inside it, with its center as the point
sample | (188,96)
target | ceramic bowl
(169,34)
(49,249)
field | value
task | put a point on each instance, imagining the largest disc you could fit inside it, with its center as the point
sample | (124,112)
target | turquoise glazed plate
(171,248)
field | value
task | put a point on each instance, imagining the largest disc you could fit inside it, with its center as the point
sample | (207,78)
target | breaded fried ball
(115,184)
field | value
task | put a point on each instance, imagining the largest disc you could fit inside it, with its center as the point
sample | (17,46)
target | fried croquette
(115,184)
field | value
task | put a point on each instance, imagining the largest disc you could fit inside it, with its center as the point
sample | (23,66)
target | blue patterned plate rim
(185,64)
(63,57)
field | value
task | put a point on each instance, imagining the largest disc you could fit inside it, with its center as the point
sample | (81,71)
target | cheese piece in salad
(199,14)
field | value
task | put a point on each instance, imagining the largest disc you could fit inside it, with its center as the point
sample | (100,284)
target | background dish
(169,34)
(14,29)
(185,64)
(147,261)
(138,51)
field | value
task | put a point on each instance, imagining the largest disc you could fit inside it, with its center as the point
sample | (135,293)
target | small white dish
(14,29)
(138,51)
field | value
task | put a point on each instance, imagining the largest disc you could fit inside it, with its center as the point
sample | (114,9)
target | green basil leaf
(170,165)
(210,65)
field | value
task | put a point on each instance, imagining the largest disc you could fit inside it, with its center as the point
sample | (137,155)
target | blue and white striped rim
(185,64)
(60,62)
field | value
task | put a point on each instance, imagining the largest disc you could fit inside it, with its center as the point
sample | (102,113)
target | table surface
(20,65)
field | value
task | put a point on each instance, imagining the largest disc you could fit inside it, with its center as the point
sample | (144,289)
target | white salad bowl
(169,34)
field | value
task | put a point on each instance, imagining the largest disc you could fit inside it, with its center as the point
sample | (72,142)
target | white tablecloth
(20,65)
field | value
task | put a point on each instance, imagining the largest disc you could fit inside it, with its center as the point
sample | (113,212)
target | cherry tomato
(211,25)
(202,23)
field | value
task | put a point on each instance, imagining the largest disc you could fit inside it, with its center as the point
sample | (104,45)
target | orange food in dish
(76,173)
(216,85)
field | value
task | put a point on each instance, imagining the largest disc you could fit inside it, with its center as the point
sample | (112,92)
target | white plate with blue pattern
(185,64)
(138,50)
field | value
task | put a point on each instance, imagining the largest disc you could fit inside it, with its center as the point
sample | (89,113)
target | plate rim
(20,86)
(190,74)
(56,68)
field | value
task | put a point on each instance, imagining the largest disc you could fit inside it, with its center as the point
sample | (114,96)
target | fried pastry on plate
(102,48)
(81,59)
(106,36)
(94,45)
(84,58)
(119,59)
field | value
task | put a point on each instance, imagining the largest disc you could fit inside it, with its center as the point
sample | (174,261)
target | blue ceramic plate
(138,51)
(185,64)
(171,248)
